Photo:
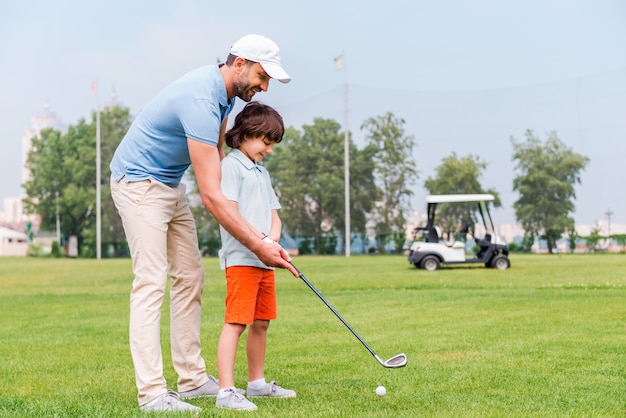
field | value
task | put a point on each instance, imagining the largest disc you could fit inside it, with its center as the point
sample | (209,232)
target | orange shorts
(250,295)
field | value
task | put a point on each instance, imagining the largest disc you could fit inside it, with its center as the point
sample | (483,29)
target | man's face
(251,80)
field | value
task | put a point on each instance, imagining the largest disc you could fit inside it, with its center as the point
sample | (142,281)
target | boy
(250,285)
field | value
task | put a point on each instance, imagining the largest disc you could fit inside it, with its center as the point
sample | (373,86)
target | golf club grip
(319,295)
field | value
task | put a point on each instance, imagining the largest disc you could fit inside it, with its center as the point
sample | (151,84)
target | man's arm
(206,164)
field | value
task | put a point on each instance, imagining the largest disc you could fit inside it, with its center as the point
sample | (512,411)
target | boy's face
(257,148)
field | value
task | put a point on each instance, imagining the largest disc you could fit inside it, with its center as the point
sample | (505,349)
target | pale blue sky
(465,75)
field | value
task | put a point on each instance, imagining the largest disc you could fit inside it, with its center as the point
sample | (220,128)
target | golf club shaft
(319,295)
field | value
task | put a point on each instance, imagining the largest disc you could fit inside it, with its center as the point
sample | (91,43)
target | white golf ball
(381,391)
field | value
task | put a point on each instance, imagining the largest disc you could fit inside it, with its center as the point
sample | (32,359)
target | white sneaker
(210,388)
(271,390)
(230,399)
(170,402)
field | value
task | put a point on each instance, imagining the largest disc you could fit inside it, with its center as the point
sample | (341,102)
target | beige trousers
(161,235)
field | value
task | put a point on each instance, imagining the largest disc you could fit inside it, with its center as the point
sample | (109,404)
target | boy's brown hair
(256,120)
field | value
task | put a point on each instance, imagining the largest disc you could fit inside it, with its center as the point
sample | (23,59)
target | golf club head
(399,360)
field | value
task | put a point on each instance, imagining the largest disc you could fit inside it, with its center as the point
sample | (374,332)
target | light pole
(94,90)
(56,197)
(340,65)
(609,214)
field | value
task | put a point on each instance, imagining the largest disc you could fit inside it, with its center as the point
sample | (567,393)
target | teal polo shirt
(248,184)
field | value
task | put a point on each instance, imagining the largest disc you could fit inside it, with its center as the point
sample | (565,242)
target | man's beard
(242,88)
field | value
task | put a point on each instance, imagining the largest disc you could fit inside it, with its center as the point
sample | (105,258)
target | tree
(395,173)
(307,172)
(620,239)
(66,164)
(593,239)
(545,181)
(572,238)
(45,162)
(58,164)
(458,176)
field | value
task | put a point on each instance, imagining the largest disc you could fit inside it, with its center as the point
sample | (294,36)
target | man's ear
(239,64)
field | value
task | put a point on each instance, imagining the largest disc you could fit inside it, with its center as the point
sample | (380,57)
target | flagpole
(98,183)
(346,157)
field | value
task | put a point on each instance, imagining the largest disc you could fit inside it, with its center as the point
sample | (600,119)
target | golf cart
(432,249)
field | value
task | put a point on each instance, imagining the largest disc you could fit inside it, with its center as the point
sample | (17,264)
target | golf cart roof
(449,198)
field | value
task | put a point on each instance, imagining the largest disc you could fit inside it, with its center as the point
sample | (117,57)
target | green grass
(546,338)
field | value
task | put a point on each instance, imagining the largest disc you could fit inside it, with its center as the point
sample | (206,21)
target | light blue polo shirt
(248,184)
(155,146)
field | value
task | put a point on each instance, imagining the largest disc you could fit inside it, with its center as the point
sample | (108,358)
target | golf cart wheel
(501,262)
(430,263)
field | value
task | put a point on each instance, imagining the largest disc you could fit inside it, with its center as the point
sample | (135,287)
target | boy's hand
(284,253)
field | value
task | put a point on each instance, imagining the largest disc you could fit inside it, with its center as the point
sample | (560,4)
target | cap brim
(276,71)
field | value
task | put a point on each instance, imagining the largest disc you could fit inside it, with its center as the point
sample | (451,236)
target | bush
(514,247)
(55,250)
(34,249)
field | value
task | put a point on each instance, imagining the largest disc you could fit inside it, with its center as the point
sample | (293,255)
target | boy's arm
(277,226)
(274,235)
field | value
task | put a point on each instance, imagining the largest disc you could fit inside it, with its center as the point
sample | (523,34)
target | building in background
(12,243)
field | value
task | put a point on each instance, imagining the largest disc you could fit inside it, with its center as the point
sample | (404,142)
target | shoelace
(238,396)
(171,394)
(273,387)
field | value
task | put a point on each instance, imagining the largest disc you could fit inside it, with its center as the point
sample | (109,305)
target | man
(184,124)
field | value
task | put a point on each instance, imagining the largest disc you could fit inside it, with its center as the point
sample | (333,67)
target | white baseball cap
(263,50)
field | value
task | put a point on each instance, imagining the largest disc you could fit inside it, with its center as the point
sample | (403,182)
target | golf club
(399,360)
